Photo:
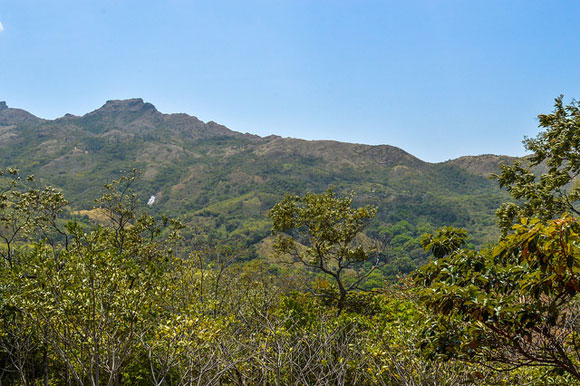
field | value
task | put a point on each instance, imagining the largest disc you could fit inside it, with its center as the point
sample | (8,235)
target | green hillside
(222,183)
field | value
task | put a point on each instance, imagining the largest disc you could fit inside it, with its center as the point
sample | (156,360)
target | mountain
(9,116)
(222,182)
(483,165)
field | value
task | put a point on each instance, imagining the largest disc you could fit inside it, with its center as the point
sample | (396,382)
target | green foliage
(515,305)
(92,304)
(26,212)
(444,241)
(555,150)
(84,299)
(128,301)
(319,230)
(110,303)
(505,305)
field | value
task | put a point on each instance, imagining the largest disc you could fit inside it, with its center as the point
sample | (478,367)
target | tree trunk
(45,363)
(341,300)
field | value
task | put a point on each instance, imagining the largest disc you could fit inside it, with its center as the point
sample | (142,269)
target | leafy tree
(556,151)
(320,230)
(26,211)
(92,303)
(93,306)
(516,304)
(512,306)
(444,241)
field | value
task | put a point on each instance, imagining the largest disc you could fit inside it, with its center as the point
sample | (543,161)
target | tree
(516,304)
(513,306)
(444,241)
(25,212)
(556,151)
(320,230)
(92,304)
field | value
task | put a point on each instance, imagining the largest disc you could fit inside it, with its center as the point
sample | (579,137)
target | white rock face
(151,200)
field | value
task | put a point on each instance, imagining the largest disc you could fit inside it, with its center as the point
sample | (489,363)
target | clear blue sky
(438,78)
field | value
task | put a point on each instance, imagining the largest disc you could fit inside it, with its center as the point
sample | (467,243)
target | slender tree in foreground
(320,231)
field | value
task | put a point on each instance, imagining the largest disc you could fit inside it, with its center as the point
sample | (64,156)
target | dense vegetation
(127,297)
(113,304)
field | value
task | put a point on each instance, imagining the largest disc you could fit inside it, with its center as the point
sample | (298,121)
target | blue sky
(439,79)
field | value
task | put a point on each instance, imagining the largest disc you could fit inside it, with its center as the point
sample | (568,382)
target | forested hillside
(222,183)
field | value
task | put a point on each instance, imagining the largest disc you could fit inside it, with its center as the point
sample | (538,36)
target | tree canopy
(515,304)
(545,183)
(320,230)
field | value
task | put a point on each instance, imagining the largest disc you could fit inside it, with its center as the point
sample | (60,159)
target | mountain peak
(127,105)
(3,105)
(134,116)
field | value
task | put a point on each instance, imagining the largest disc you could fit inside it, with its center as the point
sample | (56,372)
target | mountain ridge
(134,110)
